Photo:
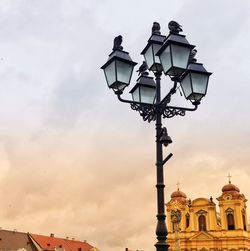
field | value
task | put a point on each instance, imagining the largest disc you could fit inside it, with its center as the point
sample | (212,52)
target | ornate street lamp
(119,67)
(154,44)
(144,90)
(194,82)
(175,51)
(174,56)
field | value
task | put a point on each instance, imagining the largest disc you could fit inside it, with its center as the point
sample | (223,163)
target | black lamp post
(176,58)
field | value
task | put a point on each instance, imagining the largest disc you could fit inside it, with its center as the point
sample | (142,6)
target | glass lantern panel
(186,86)
(147,94)
(149,57)
(136,95)
(124,72)
(180,56)
(110,73)
(156,48)
(199,82)
(165,59)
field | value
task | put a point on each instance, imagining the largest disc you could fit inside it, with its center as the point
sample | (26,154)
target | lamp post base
(161,246)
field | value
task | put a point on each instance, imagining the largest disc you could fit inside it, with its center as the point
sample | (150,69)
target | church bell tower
(232,205)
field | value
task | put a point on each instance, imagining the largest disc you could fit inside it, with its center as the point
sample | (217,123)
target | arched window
(202,223)
(187,220)
(230,222)
(244,222)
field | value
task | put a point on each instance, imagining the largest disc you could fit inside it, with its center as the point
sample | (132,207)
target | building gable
(202,236)
(13,240)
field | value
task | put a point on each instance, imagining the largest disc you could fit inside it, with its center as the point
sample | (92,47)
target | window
(244,222)
(230,221)
(202,223)
(187,220)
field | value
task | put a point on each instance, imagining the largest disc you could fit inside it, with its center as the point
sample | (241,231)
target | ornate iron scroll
(147,112)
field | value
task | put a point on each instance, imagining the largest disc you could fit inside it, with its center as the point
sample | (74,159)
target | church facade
(197,226)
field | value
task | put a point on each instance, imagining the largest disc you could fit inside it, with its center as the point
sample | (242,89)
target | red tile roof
(50,243)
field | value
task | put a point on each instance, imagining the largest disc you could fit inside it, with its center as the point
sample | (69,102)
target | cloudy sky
(76,162)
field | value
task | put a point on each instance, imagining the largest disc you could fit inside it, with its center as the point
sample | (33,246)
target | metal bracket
(148,111)
(166,159)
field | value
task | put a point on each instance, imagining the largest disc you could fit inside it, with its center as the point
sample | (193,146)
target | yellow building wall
(216,237)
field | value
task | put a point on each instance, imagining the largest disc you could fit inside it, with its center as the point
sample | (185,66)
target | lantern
(174,54)
(118,70)
(149,52)
(145,90)
(194,82)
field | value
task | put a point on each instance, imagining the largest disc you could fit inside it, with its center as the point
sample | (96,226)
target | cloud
(77,162)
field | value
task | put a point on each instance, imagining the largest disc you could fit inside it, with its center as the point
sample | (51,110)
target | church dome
(230,188)
(178,195)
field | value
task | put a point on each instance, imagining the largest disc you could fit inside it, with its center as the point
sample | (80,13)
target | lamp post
(175,57)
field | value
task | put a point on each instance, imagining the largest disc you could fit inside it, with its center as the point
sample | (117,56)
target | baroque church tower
(232,206)
(197,226)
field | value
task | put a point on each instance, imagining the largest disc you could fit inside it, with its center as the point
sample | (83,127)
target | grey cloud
(82,162)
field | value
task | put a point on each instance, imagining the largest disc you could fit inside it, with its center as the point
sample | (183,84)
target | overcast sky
(76,162)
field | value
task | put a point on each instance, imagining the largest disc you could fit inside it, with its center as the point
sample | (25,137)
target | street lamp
(154,44)
(194,82)
(119,67)
(144,90)
(174,56)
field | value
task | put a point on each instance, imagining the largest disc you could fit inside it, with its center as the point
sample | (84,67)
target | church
(195,225)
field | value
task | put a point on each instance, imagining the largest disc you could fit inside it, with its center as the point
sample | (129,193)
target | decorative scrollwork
(171,112)
(147,112)
(167,100)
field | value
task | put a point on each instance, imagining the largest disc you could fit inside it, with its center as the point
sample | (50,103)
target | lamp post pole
(175,57)
(161,228)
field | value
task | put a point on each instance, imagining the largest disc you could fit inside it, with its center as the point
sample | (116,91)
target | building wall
(214,231)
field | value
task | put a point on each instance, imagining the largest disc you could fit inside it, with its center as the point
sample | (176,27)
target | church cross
(178,185)
(229,178)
